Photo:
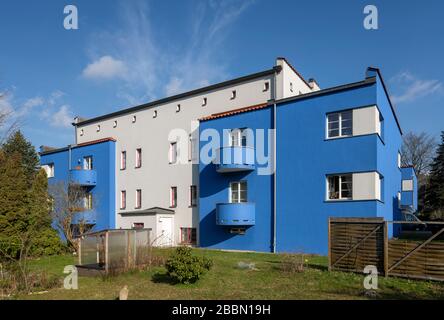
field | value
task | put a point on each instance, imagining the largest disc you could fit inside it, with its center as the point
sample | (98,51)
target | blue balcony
(82,177)
(86,217)
(235,214)
(235,159)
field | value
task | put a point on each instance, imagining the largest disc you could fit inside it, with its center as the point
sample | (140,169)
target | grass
(227,281)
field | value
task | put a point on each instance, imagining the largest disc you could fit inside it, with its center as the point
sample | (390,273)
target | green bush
(183,267)
(47,243)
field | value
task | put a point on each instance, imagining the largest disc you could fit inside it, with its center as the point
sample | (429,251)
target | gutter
(274,244)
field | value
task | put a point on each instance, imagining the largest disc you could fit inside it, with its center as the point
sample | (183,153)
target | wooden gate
(355,243)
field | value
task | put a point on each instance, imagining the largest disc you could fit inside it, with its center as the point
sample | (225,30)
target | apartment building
(337,155)
(139,166)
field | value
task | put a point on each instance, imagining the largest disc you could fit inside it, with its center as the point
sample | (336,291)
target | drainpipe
(274,160)
(69,157)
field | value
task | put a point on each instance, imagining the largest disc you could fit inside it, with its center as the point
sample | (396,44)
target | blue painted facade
(304,160)
(100,181)
(409,198)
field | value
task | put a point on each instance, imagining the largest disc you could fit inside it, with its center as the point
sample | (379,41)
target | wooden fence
(354,243)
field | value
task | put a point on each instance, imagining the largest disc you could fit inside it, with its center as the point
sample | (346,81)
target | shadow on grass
(162,277)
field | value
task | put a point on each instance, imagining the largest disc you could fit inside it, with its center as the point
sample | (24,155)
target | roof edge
(83,144)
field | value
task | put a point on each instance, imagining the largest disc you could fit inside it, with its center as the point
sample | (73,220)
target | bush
(183,267)
(47,243)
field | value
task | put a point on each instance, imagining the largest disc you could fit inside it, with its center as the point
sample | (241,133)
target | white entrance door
(165,231)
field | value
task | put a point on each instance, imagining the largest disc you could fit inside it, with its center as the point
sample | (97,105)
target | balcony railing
(235,214)
(83,177)
(235,159)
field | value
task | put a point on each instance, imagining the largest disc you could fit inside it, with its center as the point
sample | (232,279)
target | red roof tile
(95,142)
(233,112)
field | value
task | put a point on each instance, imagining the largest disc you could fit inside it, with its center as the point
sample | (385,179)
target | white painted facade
(148,129)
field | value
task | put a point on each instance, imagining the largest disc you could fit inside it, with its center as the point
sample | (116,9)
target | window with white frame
(88,201)
(399,160)
(123,199)
(340,187)
(88,163)
(138,198)
(399,199)
(173,197)
(138,157)
(49,169)
(238,192)
(407,185)
(238,138)
(193,196)
(123,160)
(340,124)
(173,152)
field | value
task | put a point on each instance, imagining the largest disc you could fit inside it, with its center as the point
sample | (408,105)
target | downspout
(69,157)
(274,160)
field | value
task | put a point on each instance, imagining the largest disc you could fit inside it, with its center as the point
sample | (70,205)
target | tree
(29,158)
(435,190)
(417,151)
(68,206)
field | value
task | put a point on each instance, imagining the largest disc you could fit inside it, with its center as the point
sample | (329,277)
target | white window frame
(193,196)
(340,115)
(88,163)
(123,160)
(49,168)
(239,191)
(173,197)
(238,138)
(123,199)
(138,158)
(138,199)
(88,201)
(407,185)
(173,153)
(340,197)
(399,160)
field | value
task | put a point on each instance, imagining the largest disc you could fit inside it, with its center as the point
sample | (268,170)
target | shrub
(183,267)
(293,263)
(47,243)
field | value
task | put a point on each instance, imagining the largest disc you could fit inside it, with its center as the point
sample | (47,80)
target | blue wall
(214,188)
(304,158)
(103,154)
(409,198)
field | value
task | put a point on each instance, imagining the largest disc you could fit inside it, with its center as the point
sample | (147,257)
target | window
(173,197)
(81,132)
(233,94)
(138,225)
(122,199)
(88,201)
(238,192)
(178,108)
(188,235)
(138,158)
(204,102)
(340,124)
(155,114)
(399,200)
(138,198)
(173,152)
(191,148)
(49,168)
(193,196)
(266,86)
(115,124)
(407,185)
(340,187)
(399,160)
(240,231)
(123,160)
(87,163)
(291,86)
(98,128)
(238,138)
(134,119)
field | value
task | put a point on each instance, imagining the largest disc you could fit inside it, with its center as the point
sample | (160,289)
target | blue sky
(130,52)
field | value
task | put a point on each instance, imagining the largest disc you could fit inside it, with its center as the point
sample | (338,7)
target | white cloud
(157,66)
(412,88)
(105,68)
(62,118)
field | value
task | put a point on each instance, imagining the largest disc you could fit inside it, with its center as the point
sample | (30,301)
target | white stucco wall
(366,121)
(366,186)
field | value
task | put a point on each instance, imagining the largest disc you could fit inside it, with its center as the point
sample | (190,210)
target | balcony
(83,177)
(235,214)
(85,217)
(235,159)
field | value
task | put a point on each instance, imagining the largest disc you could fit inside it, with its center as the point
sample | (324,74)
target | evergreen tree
(435,189)
(17,143)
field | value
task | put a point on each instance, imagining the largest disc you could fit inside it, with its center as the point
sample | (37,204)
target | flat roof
(273,70)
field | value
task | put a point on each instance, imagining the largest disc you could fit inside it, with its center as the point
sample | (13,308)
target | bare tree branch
(418,151)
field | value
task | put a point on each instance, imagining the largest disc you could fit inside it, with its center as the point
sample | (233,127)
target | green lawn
(227,281)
